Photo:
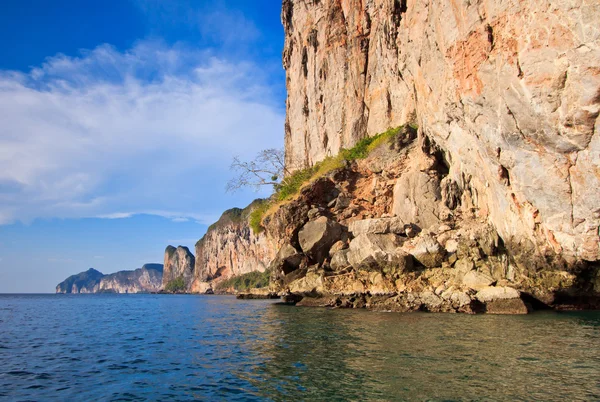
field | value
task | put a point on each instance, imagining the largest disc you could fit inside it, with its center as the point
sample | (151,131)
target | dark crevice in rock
(305,62)
(312,39)
(535,303)
(503,175)
(287,13)
(451,194)
(520,71)
(490,36)
(442,166)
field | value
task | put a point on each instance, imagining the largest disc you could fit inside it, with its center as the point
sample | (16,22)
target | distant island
(142,280)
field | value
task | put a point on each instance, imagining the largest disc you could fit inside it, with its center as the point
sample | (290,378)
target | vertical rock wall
(507,91)
(230,248)
(179,262)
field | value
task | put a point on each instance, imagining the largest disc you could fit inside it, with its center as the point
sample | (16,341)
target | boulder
(315,213)
(491,293)
(378,252)
(339,260)
(316,237)
(464,265)
(287,260)
(427,251)
(342,201)
(431,301)
(417,198)
(459,299)
(477,280)
(377,226)
(338,246)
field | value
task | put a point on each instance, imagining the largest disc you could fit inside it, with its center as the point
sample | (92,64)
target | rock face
(486,200)
(230,248)
(143,280)
(507,93)
(317,237)
(442,256)
(179,263)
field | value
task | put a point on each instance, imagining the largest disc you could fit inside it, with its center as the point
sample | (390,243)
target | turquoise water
(161,347)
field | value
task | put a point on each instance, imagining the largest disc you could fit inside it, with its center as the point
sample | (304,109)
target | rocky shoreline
(356,238)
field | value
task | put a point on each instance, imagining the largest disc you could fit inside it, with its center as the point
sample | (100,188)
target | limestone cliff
(389,232)
(230,248)
(507,92)
(485,200)
(142,280)
(179,263)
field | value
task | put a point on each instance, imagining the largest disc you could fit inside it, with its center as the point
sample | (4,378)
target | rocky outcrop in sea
(178,266)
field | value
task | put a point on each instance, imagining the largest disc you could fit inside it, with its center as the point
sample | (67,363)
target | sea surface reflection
(159,347)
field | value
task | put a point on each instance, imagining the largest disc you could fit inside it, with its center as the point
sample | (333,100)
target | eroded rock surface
(179,263)
(495,194)
(507,91)
(231,248)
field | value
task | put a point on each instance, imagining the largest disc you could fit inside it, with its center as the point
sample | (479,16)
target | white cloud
(112,134)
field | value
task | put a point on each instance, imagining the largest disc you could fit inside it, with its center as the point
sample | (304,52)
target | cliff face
(507,93)
(142,280)
(230,248)
(179,263)
(391,232)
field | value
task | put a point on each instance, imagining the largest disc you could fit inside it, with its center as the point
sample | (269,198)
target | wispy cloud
(112,134)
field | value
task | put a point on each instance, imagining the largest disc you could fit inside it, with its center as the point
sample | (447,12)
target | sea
(217,348)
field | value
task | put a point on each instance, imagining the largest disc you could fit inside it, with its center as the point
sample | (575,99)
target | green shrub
(175,285)
(256,216)
(251,280)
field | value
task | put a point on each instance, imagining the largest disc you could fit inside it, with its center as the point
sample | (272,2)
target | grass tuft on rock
(291,185)
(257,214)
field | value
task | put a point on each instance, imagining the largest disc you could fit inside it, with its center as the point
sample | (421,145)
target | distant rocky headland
(142,280)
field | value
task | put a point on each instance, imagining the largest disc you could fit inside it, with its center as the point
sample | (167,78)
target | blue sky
(119,121)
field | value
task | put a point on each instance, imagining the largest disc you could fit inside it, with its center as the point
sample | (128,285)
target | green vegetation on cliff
(176,285)
(291,185)
(245,282)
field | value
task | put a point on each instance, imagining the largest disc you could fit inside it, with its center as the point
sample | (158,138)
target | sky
(119,120)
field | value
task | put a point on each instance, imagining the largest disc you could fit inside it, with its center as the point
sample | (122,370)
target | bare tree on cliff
(268,168)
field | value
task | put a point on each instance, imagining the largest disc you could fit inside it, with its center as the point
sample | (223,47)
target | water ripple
(154,347)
